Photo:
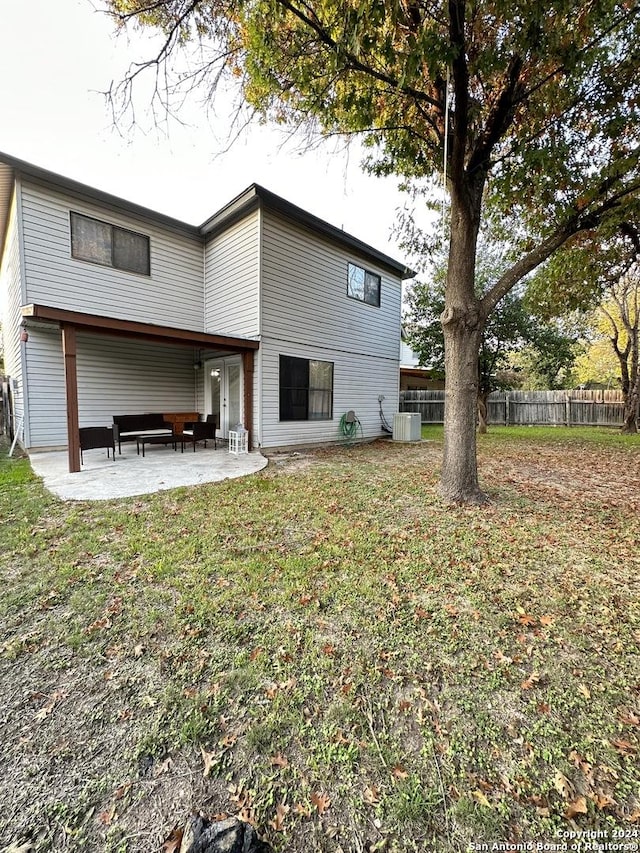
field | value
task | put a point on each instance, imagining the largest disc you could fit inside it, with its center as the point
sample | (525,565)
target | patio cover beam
(72,321)
(131,328)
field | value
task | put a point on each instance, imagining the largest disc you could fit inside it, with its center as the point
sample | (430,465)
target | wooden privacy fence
(552,408)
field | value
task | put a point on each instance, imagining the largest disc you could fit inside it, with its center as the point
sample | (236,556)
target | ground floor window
(306,389)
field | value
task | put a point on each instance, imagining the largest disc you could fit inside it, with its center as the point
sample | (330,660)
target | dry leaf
(55,697)
(479,797)
(302,811)
(602,800)
(209,759)
(271,691)
(529,682)
(371,796)
(628,718)
(578,806)
(107,816)
(562,785)
(138,650)
(547,620)
(526,619)
(161,768)
(320,801)
(582,688)
(399,772)
(624,747)
(278,821)
(173,842)
(279,761)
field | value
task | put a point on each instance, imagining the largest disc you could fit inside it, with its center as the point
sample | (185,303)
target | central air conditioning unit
(407,426)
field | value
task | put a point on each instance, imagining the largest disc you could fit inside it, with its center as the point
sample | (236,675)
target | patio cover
(72,321)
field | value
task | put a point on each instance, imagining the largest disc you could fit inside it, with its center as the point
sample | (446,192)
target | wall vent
(407,426)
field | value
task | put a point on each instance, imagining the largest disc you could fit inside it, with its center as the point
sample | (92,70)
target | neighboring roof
(253,197)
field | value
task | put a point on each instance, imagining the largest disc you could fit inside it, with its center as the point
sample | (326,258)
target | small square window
(363,285)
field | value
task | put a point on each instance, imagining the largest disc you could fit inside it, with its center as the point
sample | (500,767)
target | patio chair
(200,431)
(94,437)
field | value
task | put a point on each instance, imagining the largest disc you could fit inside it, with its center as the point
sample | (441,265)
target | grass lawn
(329,651)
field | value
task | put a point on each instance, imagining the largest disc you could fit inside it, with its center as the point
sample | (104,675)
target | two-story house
(263,315)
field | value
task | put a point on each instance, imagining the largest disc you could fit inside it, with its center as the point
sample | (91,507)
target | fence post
(567,408)
(506,408)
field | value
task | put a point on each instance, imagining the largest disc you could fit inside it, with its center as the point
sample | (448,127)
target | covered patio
(73,324)
(130,474)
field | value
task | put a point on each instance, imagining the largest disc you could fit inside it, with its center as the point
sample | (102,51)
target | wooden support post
(567,406)
(247,370)
(69,350)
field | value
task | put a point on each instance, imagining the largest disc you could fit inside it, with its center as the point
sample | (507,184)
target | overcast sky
(58,56)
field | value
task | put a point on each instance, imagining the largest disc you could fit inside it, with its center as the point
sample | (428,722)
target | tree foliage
(543,346)
(601,271)
(531,107)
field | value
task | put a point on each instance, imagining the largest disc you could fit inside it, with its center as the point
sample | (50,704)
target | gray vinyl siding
(172,295)
(11,287)
(304,294)
(232,280)
(358,381)
(306,313)
(115,377)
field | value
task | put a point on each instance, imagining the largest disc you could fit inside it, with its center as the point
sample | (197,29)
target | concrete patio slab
(130,474)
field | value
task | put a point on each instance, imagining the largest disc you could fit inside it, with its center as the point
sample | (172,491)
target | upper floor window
(363,285)
(306,389)
(109,245)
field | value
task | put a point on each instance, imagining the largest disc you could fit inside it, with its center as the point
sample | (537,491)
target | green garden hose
(349,424)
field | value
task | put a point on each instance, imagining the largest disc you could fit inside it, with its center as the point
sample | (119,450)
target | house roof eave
(257,196)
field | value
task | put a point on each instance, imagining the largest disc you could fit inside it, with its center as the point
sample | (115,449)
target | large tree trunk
(459,480)
(463,325)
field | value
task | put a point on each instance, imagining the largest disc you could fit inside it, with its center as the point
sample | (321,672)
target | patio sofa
(130,427)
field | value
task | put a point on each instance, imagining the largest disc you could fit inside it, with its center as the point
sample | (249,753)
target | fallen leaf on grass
(279,761)
(547,620)
(562,785)
(301,810)
(529,682)
(628,718)
(479,797)
(173,842)
(138,650)
(278,821)
(578,806)
(371,796)
(582,688)
(399,772)
(320,801)
(44,712)
(107,816)
(209,759)
(161,768)
(602,800)
(624,747)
